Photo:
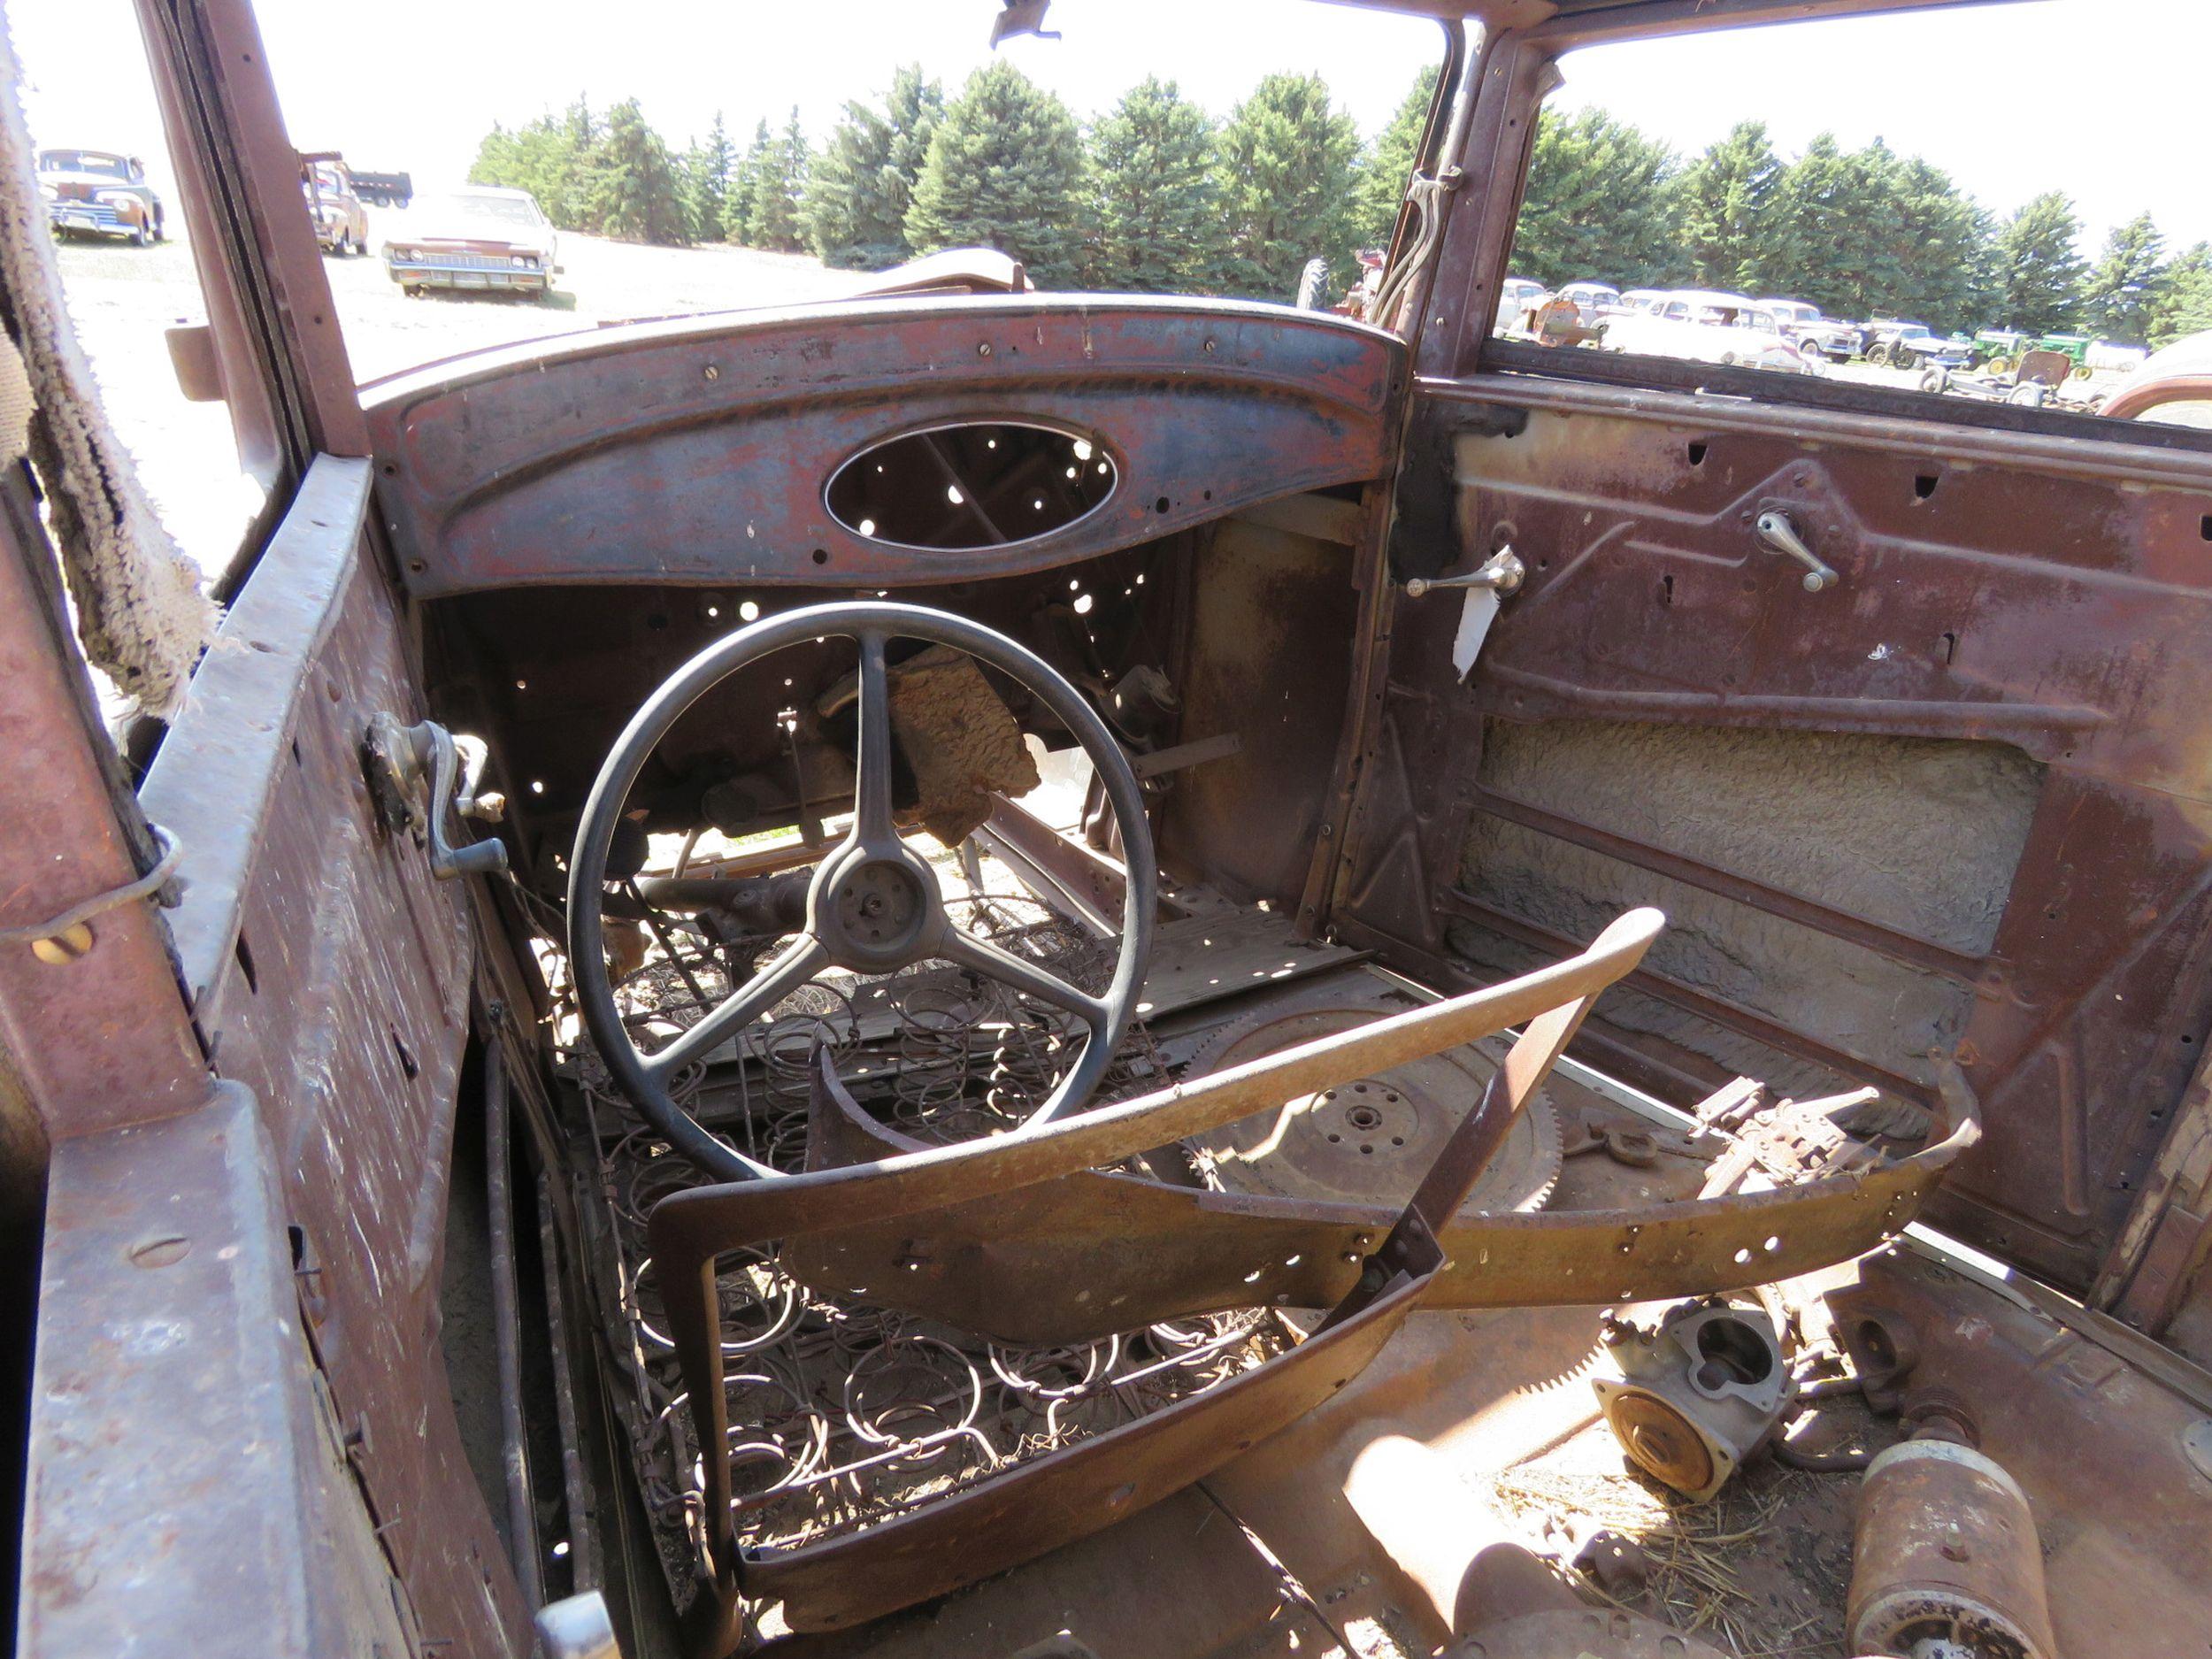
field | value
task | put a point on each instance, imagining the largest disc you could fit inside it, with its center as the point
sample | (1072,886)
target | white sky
(413,84)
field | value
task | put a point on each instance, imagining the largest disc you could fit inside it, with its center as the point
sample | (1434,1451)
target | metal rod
(583,1543)
(522,1530)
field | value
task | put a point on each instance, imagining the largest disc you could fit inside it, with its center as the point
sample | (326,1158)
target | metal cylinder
(1467,1562)
(1945,1559)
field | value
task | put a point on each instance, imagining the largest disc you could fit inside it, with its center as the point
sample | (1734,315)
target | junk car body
(1058,974)
(475,237)
(99,193)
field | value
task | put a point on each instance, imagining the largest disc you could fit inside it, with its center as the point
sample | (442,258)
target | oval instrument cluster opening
(975,485)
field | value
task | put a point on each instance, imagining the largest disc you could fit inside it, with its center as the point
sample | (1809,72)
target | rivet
(712,372)
(984,350)
(66,946)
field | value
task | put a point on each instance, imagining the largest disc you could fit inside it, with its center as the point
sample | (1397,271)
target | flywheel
(1371,1140)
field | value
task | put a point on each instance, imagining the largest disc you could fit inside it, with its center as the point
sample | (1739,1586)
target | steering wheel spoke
(803,959)
(872,783)
(996,962)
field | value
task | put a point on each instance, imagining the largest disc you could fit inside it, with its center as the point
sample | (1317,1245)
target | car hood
(96,181)
(475,238)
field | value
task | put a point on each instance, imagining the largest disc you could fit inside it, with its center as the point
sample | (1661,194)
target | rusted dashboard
(700,451)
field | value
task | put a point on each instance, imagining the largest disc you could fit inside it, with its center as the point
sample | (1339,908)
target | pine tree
(1838,230)
(1942,254)
(1730,231)
(744,181)
(1388,164)
(1287,177)
(1599,205)
(2038,273)
(774,190)
(860,187)
(1156,202)
(550,157)
(2184,306)
(2121,294)
(1004,170)
(707,170)
(634,192)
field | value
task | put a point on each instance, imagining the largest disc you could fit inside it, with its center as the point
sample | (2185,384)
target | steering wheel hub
(876,913)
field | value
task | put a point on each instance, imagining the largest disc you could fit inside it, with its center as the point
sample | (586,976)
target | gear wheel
(1370,1141)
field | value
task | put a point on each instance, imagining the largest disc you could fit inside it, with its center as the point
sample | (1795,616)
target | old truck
(1059,975)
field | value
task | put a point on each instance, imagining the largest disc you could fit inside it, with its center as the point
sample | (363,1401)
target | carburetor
(1699,1392)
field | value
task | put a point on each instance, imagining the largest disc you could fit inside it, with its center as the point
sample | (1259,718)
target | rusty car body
(475,237)
(100,193)
(1011,973)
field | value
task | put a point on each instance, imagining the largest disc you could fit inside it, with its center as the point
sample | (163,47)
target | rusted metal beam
(94,1022)
(277,328)
(215,794)
(186,1494)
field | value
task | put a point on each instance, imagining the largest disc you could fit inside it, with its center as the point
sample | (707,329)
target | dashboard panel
(699,450)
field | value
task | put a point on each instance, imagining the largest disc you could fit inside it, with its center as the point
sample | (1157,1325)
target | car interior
(1016,973)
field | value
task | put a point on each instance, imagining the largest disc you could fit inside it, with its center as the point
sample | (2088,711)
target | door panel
(331,974)
(1957,804)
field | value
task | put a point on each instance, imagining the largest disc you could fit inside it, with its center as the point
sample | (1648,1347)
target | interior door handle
(1777,534)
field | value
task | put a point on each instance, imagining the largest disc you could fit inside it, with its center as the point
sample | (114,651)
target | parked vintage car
(1518,300)
(1804,327)
(475,237)
(341,221)
(1903,343)
(1710,327)
(1038,975)
(99,193)
(1593,302)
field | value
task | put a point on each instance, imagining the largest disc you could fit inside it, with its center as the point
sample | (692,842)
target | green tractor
(1998,350)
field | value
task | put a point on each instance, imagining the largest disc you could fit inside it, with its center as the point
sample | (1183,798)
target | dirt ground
(123,298)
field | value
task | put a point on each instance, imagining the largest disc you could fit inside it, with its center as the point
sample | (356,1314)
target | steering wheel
(874,905)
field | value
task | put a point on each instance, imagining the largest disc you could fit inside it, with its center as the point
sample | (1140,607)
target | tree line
(1157,196)
(1858,233)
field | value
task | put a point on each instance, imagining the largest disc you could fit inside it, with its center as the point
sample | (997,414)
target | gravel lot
(124,297)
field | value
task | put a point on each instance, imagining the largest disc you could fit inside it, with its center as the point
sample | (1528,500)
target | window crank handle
(1501,571)
(1779,535)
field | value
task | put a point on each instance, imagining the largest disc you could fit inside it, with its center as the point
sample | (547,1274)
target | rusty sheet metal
(187,1492)
(697,450)
(102,1040)
(2047,598)
(332,974)
(1001,1263)
(1015,1516)
(2096,1443)
(690,1230)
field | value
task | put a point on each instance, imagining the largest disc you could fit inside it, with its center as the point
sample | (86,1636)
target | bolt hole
(1924,486)
(821,556)
(1162,505)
